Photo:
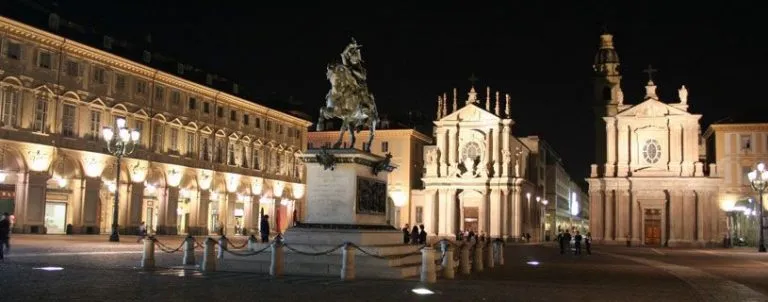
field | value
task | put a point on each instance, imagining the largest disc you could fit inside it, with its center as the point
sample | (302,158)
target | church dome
(606,53)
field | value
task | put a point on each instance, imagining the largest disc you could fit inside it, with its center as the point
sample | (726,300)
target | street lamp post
(758,179)
(544,219)
(122,144)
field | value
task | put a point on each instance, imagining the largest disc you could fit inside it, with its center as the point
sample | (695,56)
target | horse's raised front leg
(352,137)
(341,136)
(373,133)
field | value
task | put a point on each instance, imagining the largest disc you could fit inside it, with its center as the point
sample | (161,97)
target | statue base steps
(395,266)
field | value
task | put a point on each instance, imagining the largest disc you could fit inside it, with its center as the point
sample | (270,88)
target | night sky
(540,54)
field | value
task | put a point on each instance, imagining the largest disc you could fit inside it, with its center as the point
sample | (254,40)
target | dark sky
(539,53)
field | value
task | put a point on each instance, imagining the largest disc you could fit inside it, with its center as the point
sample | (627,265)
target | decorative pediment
(97,102)
(119,108)
(471,113)
(246,139)
(651,108)
(141,113)
(177,122)
(192,126)
(43,89)
(12,80)
(259,142)
(160,117)
(221,133)
(206,130)
(71,95)
(234,136)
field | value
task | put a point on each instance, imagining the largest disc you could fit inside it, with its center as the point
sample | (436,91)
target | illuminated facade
(205,157)
(406,147)
(651,189)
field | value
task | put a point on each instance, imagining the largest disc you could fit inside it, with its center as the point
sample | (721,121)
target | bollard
(477,263)
(148,256)
(448,270)
(464,259)
(222,246)
(189,251)
(209,256)
(489,255)
(276,266)
(428,270)
(498,246)
(252,241)
(348,262)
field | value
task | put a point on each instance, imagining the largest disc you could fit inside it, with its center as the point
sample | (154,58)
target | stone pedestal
(346,200)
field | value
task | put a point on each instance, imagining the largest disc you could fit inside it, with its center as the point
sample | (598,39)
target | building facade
(652,189)
(206,159)
(736,148)
(478,174)
(406,147)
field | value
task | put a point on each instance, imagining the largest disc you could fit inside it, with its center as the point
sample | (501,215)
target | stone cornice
(50,40)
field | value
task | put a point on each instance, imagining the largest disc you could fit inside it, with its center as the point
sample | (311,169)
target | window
(206,107)
(385,147)
(13,50)
(175,99)
(190,143)
(310,146)
(192,103)
(140,129)
(243,156)
(141,87)
(256,159)
(257,122)
(95,128)
(744,177)
(746,142)
(246,119)
(120,82)
(206,147)
(218,152)
(174,143)
(233,115)
(220,111)
(72,69)
(159,93)
(231,154)
(419,215)
(157,137)
(68,116)
(10,98)
(44,60)
(269,125)
(99,75)
(41,114)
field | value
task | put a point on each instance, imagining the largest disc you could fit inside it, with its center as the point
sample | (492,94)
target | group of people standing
(5,234)
(564,239)
(417,235)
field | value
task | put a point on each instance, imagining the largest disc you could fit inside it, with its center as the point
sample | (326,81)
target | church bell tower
(607,91)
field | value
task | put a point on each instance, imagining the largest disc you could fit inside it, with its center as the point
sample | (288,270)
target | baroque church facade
(648,186)
(478,176)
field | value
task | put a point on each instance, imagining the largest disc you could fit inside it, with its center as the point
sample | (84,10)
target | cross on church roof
(650,72)
(472,79)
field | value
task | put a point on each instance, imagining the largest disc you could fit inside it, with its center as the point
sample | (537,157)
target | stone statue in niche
(683,94)
(431,156)
(470,167)
(518,154)
(620,96)
(506,156)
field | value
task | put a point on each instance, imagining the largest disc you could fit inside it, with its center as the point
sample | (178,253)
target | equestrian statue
(349,99)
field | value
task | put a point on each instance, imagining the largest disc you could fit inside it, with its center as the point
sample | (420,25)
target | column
(483,222)
(596,221)
(610,142)
(91,199)
(199,222)
(505,146)
(442,146)
(33,188)
(451,148)
(622,166)
(699,217)
(505,213)
(610,215)
(166,224)
(135,200)
(636,224)
(622,216)
(517,221)
(634,157)
(689,216)
(675,217)
(430,210)
(496,214)
(496,150)
(675,148)
(690,147)
(228,212)
(450,213)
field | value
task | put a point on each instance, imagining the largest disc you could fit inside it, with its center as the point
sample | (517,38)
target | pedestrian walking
(415,235)
(406,234)
(422,235)
(577,243)
(142,231)
(264,229)
(588,243)
(5,233)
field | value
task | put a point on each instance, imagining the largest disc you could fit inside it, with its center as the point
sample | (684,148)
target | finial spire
(488,98)
(439,107)
(455,100)
(472,96)
(650,72)
(506,106)
(472,79)
(496,109)
(445,104)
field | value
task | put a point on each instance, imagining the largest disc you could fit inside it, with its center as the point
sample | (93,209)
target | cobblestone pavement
(96,270)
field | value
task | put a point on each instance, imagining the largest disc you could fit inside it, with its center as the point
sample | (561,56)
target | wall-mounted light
(3,175)
(111,187)
(257,185)
(213,196)
(232,182)
(277,188)
(60,181)
(174,178)
(398,197)
(298,190)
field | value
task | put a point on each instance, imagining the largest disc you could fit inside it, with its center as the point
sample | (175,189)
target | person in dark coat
(577,243)
(264,229)
(561,242)
(588,243)
(5,233)
(406,234)
(422,235)
(415,235)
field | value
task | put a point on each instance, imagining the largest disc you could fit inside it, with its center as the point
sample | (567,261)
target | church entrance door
(652,227)
(470,219)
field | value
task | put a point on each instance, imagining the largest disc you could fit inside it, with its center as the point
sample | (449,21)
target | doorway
(652,227)
(55,217)
(150,217)
(471,215)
